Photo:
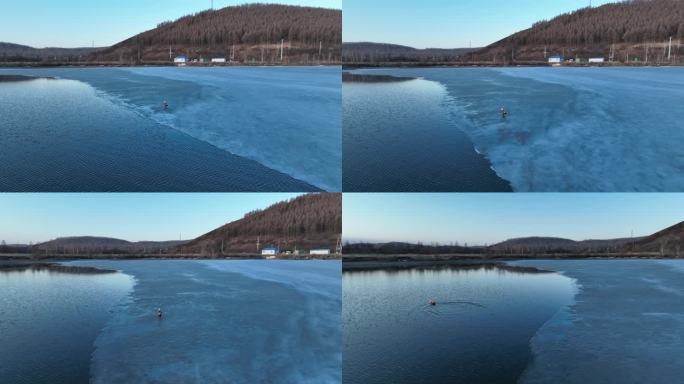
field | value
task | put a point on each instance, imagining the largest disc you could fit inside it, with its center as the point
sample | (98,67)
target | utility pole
(669,50)
(282,47)
(612,52)
(338,247)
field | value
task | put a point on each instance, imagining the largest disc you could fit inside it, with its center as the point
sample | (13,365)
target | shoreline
(153,64)
(356,66)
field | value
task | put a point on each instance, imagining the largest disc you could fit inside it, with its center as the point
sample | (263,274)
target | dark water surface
(399,137)
(479,331)
(49,321)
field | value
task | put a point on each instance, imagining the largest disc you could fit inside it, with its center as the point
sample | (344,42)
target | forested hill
(668,242)
(625,28)
(246,33)
(102,245)
(306,222)
(15,53)
(379,53)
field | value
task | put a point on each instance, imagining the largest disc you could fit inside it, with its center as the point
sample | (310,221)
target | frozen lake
(626,325)
(568,129)
(226,129)
(224,321)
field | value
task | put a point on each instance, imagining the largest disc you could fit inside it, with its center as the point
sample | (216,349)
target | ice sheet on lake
(220,327)
(315,276)
(288,119)
(625,327)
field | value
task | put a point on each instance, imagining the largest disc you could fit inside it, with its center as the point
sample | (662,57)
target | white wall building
(319,252)
(218,60)
(597,60)
(269,251)
(181,59)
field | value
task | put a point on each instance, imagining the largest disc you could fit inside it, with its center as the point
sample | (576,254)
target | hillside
(306,222)
(399,248)
(103,245)
(668,242)
(358,53)
(247,33)
(627,31)
(514,247)
(15,53)
(559,245)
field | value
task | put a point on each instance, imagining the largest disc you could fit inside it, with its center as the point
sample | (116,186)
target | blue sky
(447,23)
(29,217)
(489,218)
(76,23)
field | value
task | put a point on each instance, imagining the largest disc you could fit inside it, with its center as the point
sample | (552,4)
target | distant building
(181,59)
(556,59)
(218,60)
(270,251)
(319,252)
(597,60)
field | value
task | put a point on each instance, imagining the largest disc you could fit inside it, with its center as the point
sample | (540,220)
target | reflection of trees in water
(51,267)
(357,78)
(401,266)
